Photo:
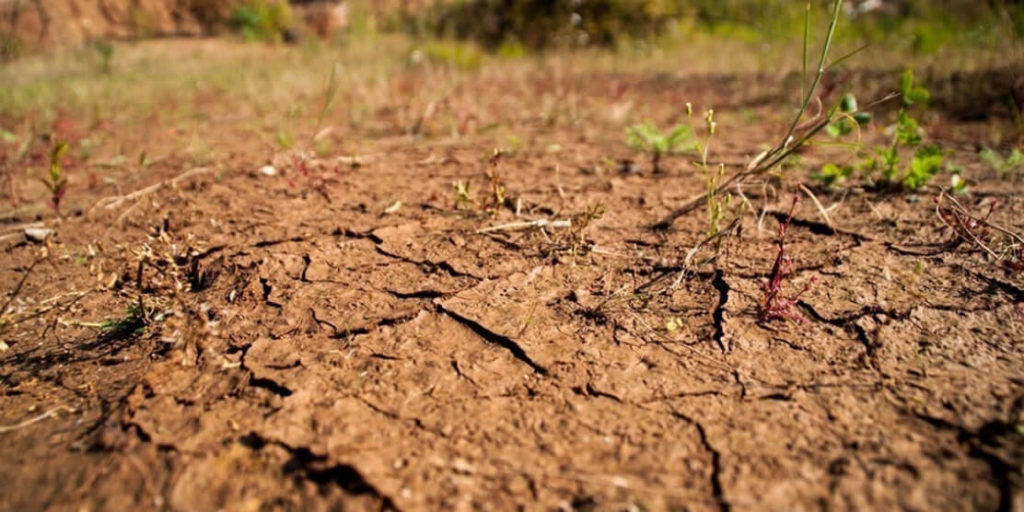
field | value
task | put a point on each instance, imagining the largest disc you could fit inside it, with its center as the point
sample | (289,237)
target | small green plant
(886,168)
(1002,166)
(832,175)
(889,167)
(716,203)
(848,117)
(647,138)
(284,139)
(463,196)
(55,180)
(133,323)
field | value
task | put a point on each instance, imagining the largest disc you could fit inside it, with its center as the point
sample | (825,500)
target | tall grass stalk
(771,158)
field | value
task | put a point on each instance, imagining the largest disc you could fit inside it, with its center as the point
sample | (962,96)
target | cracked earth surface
(329,355)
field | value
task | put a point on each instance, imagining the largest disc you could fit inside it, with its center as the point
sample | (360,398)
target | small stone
(268,170)
(462,466)
(38,235)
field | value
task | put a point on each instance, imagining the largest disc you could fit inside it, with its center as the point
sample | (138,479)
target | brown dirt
(311,348)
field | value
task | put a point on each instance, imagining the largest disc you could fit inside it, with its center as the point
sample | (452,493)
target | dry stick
(111,203)
(10,428)
(17,288)
(44,311)
(821,209)
(533,224)
(974,238)
(985,222)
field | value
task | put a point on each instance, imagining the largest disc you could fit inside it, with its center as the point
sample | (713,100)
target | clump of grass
(133,323)
(647,138)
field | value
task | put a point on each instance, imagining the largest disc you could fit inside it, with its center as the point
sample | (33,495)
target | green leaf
(924,166)
(1016,159)
(862,118)
(911,92)
(832,174)
(907,131)
(848,104)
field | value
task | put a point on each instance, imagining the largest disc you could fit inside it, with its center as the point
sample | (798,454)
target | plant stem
(836,8)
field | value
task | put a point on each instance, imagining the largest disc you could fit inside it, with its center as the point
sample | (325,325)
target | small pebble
(268,170)
(38,235)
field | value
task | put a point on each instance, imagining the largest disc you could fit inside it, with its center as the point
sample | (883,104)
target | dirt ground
(339,334)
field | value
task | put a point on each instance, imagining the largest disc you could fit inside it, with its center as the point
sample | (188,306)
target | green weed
(648,139)
(56,182)
(887,168)
(463,196)
(906,163)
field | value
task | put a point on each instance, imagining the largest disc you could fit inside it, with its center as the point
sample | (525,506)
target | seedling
(55,180)
(648,139)
(463,196)
(133,323)
(775,304)
(498,191)
(886,168)
(579,225)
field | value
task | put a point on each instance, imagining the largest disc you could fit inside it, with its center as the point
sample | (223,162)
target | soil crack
(305,464)
(716,461)
(498,339)
(718,316)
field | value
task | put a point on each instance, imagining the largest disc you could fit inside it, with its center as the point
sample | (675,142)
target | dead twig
(527,225)
(36,419)
(112,203)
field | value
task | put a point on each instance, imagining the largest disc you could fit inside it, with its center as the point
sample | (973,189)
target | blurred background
(505,26)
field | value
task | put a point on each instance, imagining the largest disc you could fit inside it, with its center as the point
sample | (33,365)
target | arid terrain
(271,289)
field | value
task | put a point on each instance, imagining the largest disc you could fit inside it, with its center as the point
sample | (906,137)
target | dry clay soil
(314,345)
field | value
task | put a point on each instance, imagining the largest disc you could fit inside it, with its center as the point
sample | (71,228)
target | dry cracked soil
(341,335)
